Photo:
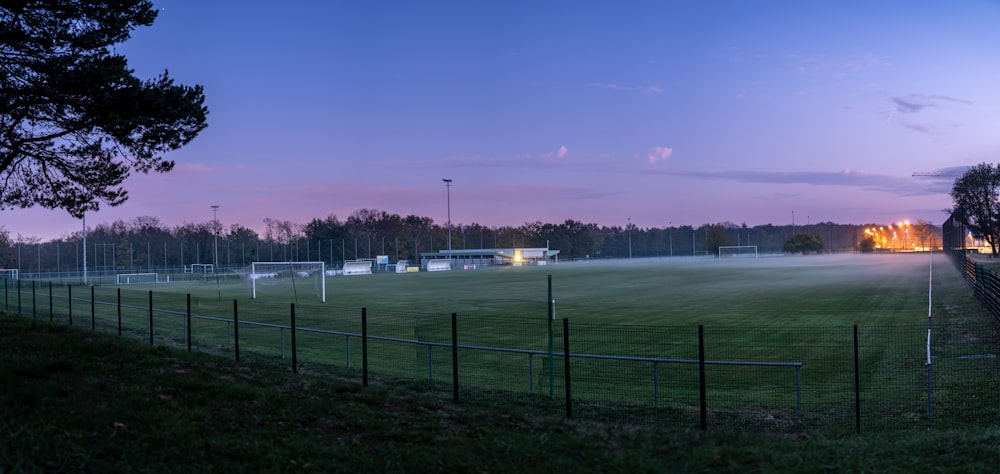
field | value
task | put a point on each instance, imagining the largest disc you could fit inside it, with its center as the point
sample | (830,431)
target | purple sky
(659,112)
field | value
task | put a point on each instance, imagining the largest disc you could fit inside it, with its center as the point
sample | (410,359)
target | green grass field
(786,310)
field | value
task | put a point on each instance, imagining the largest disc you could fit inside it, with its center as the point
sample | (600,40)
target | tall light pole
(447,185)
(670,225)
(215,227)
(629,228)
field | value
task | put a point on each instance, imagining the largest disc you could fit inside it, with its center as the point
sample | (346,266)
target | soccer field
(811,290)
(777,331)
(803,291)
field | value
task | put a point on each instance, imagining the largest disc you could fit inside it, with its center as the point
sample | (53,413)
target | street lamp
(447,184)
(215,227)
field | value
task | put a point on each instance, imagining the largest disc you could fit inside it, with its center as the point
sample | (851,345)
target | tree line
(144,243)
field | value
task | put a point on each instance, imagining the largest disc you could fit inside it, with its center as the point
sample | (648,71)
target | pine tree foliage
(74,119)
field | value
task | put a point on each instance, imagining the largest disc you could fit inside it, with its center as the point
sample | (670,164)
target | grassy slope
(74,400)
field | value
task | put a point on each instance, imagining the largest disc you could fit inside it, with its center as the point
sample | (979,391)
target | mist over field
(800,290)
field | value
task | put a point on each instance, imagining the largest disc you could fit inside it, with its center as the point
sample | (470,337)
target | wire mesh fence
(837,379)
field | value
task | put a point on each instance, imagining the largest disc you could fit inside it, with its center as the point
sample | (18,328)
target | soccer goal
(8,274)
(743,251)
(136,278)
(285,278)
(200,268)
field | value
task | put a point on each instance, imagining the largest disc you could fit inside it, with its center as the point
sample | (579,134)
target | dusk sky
(662,112)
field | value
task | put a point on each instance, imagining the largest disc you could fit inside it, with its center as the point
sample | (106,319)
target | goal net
(200,268)
(741,251)
(136,278)
(278,279)
(8,274)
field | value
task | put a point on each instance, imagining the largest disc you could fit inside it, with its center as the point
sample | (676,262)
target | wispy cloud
(808,64)
(862,63)
(549,158)
(642,88)
(538,193)
(659,153)
(913,103)
(847,178)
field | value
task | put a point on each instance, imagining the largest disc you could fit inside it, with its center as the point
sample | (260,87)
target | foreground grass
(73,400)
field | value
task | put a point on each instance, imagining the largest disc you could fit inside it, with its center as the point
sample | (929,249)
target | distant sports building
(472,258)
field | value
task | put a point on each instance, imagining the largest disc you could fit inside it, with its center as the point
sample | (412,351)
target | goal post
(8,274)
(200,268)
(136,278)
(742,251)
(284,278)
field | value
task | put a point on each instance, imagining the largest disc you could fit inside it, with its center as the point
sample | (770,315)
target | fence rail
(842,379)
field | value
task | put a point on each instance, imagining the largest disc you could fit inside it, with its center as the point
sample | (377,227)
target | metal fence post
(656,385)
(69,300)
(33,305)
(702,403)
(119,305)
(150,317)
(364,347)
(187,320)
(569,385)
(857,384)
(551,317)
(454,355)
(93,310)
(295,361)
(51,310)
(236,331)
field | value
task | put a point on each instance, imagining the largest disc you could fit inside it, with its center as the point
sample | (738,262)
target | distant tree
(925,235)
(868,245)
(716,238)
(6,249)
(976,203)
(417,228)
(74,120)
(804,243)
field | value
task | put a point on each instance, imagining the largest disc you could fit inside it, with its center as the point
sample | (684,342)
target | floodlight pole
(447,184)
(215,227)
(629,228)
